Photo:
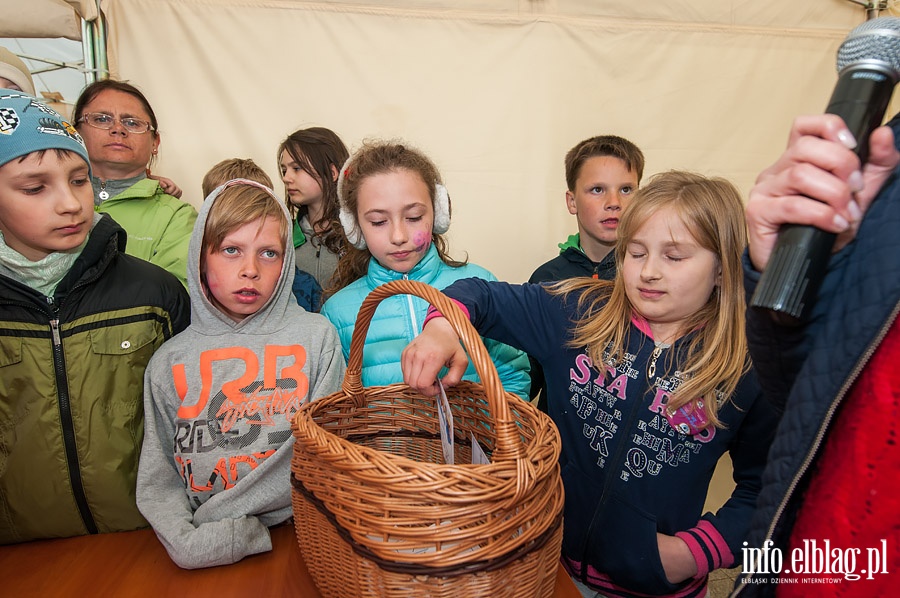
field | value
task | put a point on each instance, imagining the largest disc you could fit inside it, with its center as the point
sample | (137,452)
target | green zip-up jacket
(158,225)
(71,390)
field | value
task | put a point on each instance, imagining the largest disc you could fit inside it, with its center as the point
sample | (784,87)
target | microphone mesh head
(875,43)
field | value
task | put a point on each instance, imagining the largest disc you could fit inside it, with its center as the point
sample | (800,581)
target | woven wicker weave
(378,513)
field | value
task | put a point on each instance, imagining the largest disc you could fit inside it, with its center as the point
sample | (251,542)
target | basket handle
(508,443)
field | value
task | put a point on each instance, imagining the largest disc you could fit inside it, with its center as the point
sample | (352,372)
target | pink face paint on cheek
(421,239)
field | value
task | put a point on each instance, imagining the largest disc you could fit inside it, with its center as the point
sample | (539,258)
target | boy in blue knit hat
(79,321)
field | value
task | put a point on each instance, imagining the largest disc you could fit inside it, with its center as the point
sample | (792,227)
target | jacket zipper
(851,379)
(68,425)
(632,416)
(651,370)
(103,194)
(412,312)
(63,401)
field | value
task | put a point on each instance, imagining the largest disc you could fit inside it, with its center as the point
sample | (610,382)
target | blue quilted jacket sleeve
(778,351)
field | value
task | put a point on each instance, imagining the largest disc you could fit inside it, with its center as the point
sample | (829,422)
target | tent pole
(87,49)
(102,57)
(93,42)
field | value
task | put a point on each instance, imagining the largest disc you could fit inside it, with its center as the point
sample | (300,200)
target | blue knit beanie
(28,125)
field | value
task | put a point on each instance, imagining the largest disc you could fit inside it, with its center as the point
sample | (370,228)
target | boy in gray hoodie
(219,397)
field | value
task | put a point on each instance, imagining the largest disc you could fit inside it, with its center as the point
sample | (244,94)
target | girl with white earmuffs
(395,211)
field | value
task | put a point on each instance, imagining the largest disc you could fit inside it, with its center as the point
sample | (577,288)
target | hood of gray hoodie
(206,318)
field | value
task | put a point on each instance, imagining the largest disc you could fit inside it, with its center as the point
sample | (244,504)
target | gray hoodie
(218,399)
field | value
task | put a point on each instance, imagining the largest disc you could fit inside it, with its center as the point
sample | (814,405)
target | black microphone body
(869,68)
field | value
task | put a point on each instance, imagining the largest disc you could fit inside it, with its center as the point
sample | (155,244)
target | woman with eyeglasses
(122,138)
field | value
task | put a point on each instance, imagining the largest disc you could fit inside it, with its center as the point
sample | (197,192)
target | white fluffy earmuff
(441,210)
(348,219)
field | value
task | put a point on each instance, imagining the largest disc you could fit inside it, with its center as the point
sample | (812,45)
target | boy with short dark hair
(79,321)
(602,174)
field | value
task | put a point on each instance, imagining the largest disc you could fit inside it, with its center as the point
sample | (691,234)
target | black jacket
(71,389)
(572,263)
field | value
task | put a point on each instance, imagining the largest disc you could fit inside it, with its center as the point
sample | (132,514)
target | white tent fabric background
(45,18)
(496,91)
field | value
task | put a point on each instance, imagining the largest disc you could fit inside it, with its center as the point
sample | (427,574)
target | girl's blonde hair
(374,158)
(234,207)
(716,357)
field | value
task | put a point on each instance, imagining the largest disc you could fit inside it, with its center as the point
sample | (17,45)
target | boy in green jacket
(79,321)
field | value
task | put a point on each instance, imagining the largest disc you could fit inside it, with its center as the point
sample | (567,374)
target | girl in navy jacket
(649,383)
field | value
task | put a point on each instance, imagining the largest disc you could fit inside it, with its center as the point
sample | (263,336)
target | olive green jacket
(71,390)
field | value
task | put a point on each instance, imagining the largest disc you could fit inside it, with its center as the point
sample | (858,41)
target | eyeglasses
(99,120)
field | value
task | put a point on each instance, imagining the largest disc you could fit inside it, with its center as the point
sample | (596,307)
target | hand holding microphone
(869,67)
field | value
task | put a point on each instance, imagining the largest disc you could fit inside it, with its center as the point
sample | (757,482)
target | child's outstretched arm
(524,317)
(437,346)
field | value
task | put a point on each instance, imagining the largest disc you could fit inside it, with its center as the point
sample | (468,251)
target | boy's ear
(334,173)
(570,203)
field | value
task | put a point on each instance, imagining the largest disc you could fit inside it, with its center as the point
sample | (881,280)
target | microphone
(868,63)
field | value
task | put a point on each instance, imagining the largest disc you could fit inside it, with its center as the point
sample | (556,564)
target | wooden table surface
(135,564)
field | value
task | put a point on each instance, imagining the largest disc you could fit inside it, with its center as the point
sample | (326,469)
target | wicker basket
(378,513)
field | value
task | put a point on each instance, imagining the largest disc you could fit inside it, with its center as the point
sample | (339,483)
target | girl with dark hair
(310,160)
